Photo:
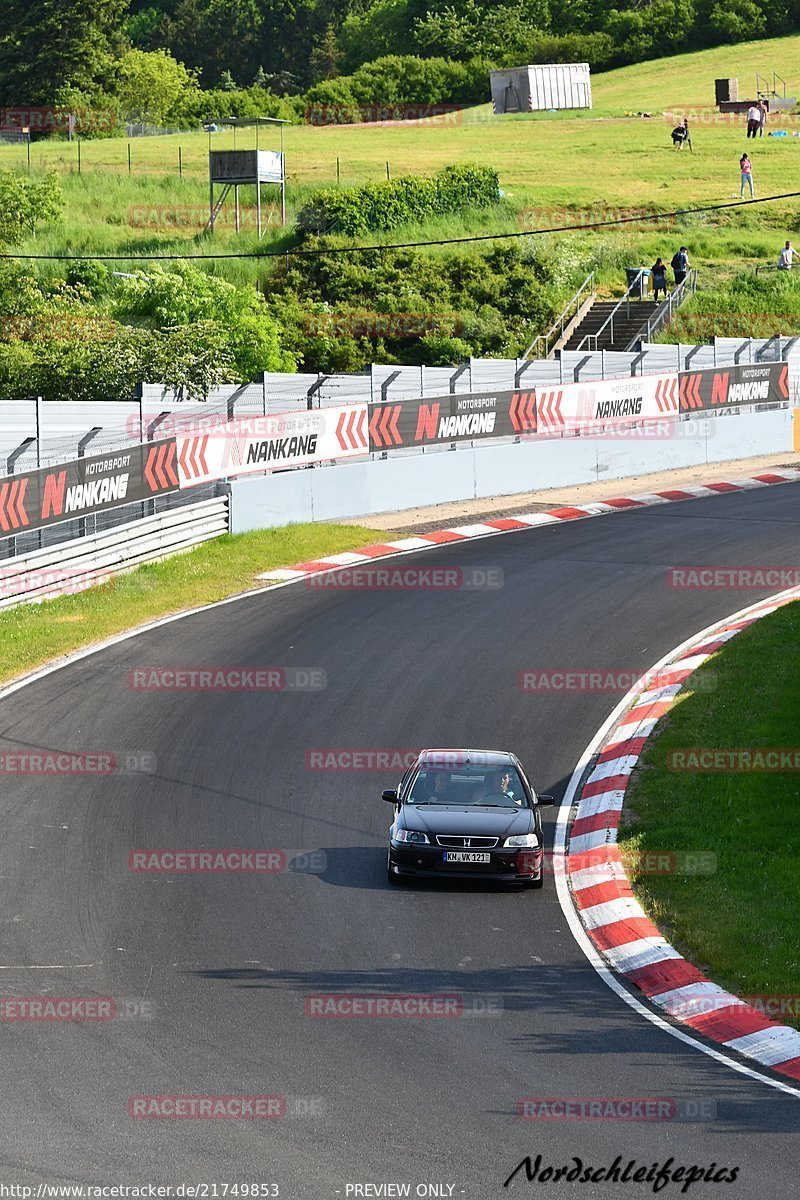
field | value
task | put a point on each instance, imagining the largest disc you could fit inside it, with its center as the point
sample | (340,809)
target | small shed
(537,88)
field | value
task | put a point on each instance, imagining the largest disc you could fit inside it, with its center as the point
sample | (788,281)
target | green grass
(581,164)
(740,924)
(34,634)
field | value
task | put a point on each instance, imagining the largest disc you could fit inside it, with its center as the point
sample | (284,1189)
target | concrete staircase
(627,323)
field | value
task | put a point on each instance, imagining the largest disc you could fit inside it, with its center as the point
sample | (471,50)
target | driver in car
(496,783)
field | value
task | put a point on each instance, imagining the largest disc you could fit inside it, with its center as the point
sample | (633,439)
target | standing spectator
(680,134)
(659,273)
(753,120)
(785,257)
(680,265)
(762,104)
(746,167)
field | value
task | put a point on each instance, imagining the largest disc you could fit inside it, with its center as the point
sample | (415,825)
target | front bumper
(428,862)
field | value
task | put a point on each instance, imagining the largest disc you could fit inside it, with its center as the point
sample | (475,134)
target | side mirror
(545,800)
(390,796)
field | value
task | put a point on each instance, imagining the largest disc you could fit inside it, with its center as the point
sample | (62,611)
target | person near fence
(753,120)
(680,264)
(785,257)
(659,273)
(746,168)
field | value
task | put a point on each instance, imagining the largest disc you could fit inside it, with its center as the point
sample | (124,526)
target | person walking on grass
(763,122)
(659,273)
(746,168)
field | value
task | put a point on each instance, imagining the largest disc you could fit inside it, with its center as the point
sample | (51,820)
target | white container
(538,88)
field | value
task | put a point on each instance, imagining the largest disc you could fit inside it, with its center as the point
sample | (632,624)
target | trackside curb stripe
(613,920)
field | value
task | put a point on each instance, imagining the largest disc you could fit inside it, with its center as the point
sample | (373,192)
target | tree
(25,203)
(151,86)
(325,55)
(226,82)
(46,45)
(260,78)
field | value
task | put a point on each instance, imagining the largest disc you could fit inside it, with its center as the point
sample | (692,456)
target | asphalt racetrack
(211,973)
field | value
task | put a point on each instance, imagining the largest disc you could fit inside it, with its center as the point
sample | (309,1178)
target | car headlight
(410,835)
(527,841)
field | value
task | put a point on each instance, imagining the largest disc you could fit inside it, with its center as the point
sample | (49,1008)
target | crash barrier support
(73,566)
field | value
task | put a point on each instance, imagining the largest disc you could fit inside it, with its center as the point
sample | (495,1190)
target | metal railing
(544,343)
(772,267)
(73,566)
(687,287)
(636,283)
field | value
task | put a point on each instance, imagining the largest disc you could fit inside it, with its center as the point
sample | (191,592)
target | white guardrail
(74,566)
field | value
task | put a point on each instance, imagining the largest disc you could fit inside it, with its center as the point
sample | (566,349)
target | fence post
(151,429)
(180,161)
(82,444)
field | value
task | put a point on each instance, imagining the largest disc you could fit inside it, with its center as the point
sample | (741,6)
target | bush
(26,202)
(411,198)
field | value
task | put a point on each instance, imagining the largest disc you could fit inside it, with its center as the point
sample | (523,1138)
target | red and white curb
(619,929)
(555,516)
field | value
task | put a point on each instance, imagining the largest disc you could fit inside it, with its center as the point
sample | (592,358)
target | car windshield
(469,783)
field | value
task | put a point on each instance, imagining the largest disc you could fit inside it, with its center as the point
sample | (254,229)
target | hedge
(411,198)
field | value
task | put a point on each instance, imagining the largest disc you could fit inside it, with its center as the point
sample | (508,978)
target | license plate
(467,856)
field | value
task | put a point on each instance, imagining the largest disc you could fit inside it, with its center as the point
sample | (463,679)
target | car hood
(469,820)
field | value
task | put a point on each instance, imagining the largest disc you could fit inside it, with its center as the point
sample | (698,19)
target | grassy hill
(556,169)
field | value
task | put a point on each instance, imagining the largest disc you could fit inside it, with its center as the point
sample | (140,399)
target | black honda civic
(466,813)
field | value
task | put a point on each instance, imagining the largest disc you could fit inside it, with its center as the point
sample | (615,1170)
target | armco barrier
(71,567)
(355,489)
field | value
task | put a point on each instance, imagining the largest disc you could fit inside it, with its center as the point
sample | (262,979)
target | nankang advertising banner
(727,387)
(272,443)
(34,499)
(583,407)
(468,416)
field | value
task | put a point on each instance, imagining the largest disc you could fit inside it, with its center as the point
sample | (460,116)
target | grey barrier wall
(115,424)
(358,489)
